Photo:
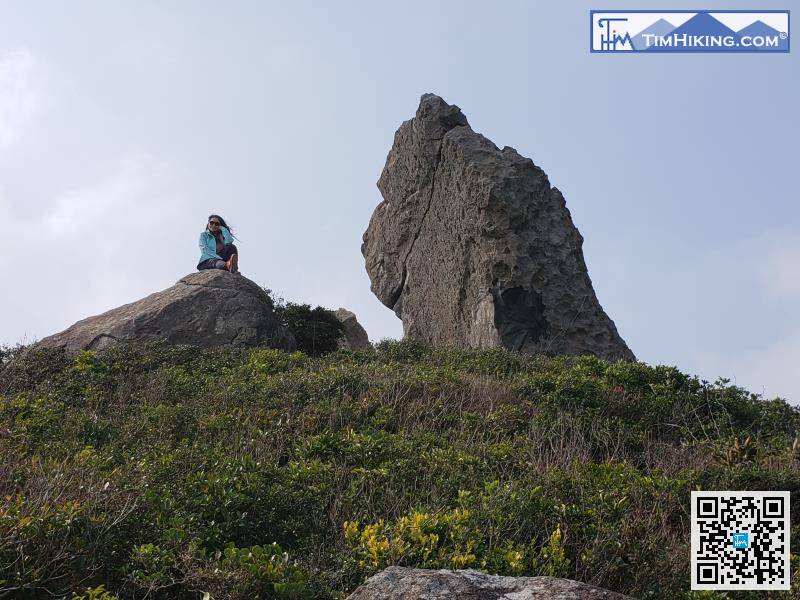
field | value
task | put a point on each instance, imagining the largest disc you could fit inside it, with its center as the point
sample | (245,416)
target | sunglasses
(213,222)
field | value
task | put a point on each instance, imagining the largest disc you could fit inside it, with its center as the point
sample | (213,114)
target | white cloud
(21,94)
(770,265)
(98,247)
(729,312)
(129,191)
(781,271)
(770,371)
(122,220)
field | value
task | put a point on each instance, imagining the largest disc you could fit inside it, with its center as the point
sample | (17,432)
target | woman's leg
(230,250)
(213,263)
(231,256)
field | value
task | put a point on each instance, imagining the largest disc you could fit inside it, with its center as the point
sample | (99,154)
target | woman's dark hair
(221,222)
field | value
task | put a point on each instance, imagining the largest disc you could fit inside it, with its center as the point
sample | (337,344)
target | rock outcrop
(471,246)
(400,583)
(355,336)
(208,308)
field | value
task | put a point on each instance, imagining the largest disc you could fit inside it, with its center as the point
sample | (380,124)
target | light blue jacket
(208,244)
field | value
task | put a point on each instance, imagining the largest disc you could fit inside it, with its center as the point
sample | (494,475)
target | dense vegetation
(179,472)
(316,330)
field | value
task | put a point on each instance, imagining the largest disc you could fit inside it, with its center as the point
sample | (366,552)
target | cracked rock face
(400,583)
(209,308)
(471,246)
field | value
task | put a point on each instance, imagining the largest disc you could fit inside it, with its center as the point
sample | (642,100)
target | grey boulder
(400,583)
(471,246)
(355,336)
(208,308)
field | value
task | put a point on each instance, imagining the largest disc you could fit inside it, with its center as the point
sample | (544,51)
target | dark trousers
(215,263)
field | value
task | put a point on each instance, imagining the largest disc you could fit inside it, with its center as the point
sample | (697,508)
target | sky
(123,125)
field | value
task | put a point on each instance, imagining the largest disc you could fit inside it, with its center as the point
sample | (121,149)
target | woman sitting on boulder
(216,246)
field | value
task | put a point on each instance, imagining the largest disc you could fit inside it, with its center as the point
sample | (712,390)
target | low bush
(316,330)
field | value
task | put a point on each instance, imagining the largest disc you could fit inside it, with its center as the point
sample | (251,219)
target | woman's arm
(226,235)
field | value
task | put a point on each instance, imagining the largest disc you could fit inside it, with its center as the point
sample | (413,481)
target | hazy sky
(124,124)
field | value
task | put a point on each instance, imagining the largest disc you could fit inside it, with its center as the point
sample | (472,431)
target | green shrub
(452,540)
(263,572)
(95,593)
(317,331)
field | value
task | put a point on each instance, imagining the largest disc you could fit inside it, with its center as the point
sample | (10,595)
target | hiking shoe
(233,263)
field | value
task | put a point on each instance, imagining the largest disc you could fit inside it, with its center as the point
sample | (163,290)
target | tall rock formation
(471,246)
(209,308)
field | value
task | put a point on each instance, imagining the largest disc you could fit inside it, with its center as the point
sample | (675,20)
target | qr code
(740,540)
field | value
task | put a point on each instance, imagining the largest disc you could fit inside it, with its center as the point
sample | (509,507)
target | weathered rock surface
(400,583)
(209,308)
(355,336)
(471,246)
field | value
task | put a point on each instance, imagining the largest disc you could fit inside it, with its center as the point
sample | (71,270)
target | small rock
(401,583)
(355,336)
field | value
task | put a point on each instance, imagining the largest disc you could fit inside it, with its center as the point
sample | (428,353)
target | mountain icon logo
(689,31)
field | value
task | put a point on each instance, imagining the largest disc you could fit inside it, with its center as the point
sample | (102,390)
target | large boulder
(354,336)
(471,246)
(208,308)
(400,583)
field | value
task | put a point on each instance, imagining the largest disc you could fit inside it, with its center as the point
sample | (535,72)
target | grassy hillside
(168,472)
